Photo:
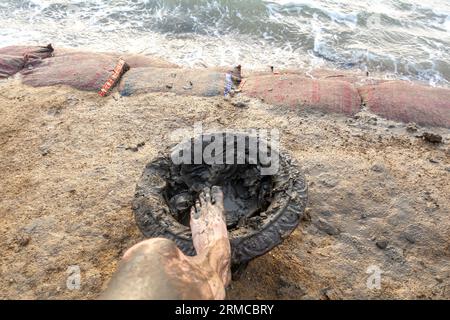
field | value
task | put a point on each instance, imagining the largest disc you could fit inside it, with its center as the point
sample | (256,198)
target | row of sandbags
(393,100)
(89,71)
(81,70)
(327,92)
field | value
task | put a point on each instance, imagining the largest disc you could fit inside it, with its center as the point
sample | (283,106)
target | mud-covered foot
(209,231)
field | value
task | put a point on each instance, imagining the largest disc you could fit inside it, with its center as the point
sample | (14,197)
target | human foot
(209,231)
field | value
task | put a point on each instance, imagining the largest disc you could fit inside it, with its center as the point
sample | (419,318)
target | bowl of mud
(264,196)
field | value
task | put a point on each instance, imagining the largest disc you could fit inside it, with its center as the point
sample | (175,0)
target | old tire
(289,197)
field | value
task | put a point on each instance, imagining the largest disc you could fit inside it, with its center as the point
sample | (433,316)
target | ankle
(219,256)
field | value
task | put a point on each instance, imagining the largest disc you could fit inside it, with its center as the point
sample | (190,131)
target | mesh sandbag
(9,65)
(407,102)
(30,52)
(181,81)
(295,91)
(133,60)
(144,61)
(81,70)
(353,76)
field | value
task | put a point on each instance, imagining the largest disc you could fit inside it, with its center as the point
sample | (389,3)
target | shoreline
(313,72)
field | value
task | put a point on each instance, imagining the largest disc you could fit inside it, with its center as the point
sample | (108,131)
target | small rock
(240,104)
(382,244)
(307,215)
(23,240)
(377,168)
(44,151)
(136,148)
(412,127)
(432,137)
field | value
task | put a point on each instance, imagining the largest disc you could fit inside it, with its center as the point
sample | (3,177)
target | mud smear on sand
(378,195)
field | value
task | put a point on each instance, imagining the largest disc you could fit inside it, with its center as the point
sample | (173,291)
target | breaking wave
(401,39)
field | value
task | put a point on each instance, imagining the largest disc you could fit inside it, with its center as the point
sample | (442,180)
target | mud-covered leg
(157,269)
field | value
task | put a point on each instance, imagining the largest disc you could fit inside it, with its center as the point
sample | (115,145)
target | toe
(198,206)
(202,199)
(217,195)
(205,196)
(207,192)
(194,212)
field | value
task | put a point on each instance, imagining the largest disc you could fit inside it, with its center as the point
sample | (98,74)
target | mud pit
(261,208)
(70,160)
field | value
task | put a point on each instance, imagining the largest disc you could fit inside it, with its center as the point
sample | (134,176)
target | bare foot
(157,269)
(209,232)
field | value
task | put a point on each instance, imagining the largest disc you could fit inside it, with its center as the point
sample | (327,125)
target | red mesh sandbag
(33,52)
(133,60)
(408,102)
(143,61)
(356,77)
(14,58)
(181,81)
(295,91)
(81,70)
(9,65)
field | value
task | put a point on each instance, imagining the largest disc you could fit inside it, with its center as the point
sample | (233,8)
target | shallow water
(402,39)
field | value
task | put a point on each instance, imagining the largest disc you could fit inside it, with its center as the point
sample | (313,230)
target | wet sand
(69,163)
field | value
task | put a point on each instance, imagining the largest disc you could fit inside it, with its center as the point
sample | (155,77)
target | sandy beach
(69,163)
